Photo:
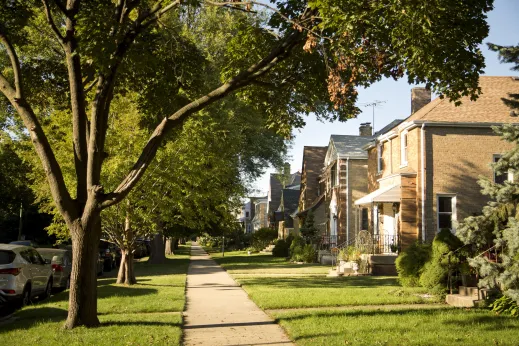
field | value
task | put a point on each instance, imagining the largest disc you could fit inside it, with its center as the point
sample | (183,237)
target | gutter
(422,143)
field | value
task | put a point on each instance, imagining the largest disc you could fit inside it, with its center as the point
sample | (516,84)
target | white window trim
(510,174)
(403,149)
(380,148)
(453,207)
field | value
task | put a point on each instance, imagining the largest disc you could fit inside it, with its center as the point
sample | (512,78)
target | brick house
(423,172)
(275,192)
(312,193)
(344,181)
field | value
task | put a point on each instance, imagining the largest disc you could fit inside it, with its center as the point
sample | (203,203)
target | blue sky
(504,30)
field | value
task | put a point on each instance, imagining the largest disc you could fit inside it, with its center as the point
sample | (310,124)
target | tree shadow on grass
(320,282)
(108,291)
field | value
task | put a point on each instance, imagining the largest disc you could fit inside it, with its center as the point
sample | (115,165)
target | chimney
(365,130)
(419,97)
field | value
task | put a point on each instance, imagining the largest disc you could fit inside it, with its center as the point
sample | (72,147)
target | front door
(389,229)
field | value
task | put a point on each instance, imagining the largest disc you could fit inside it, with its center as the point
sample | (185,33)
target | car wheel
(48,290)
(26,297)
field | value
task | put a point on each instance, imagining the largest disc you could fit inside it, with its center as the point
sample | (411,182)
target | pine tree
(495,233)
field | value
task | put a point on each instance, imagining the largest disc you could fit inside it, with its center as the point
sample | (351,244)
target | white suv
(23,274)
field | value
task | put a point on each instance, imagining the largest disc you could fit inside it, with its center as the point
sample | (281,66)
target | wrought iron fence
(386,243)
(365,242)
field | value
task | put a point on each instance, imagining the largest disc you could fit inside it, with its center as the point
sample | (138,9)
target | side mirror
(46,260)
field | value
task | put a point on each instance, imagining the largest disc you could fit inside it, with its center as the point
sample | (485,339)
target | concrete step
(334,273)
(469,292)
(382,259)
(461,301)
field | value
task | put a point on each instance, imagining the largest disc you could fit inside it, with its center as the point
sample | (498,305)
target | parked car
(24,274)
(100,261)
(25,242)
(140,250)
(61,263)
(108,252)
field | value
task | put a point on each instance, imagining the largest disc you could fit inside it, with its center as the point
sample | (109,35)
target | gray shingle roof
(350,146)
(388,127)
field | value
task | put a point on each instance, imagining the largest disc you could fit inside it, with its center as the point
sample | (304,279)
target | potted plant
(394,247)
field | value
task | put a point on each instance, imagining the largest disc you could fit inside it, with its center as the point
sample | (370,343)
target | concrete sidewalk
(219,312)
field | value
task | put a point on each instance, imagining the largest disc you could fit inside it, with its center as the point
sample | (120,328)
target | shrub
(281,249)
(505,305)
(296,249)
(308,254)
(435,271)
(263,237)
(410,263)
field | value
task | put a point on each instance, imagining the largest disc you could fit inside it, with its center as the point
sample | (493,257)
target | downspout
(348,200)
(422,140)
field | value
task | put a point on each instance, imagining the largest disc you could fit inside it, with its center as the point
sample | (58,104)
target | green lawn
(364,312)
(239,262)
(447,326)
(146,313)
(296,288)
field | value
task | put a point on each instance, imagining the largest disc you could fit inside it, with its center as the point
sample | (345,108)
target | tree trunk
(169,246)
(126,273)
(158,250)
(83,279)
(175,243)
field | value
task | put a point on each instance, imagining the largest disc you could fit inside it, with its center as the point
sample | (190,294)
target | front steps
(468,297)
(383,264)
(268,249)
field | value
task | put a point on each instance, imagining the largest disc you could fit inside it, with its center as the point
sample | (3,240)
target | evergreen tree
(495,233)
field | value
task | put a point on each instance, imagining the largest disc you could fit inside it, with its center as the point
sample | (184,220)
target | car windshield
(49,255)
(6,257)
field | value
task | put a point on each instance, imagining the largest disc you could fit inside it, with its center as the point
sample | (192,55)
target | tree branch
(104,94)
(242,79)
(77,101)
(15,64)
(50,20)
(50,165)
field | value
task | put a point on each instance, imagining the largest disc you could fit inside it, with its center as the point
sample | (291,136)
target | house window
(333,175)
(364,219)
(403,148)
(500,178)
(380,162)
(446,206)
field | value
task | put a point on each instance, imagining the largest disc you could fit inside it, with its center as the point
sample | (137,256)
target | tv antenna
(373,104)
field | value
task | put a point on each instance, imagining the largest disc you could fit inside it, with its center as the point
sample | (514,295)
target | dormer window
(403,148)
(380,160)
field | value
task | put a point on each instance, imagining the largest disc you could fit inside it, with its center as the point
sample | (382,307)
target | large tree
(297,58)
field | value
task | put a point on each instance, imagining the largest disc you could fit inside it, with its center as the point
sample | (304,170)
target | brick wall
(456,158)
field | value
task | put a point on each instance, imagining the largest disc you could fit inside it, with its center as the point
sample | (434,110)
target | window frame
(333,179)
(453,212)
(380,157)
(509,175)
(404,144)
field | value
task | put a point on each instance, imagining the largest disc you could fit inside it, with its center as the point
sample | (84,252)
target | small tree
(309,232)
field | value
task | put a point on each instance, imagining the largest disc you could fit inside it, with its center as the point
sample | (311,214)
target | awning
(386,194)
